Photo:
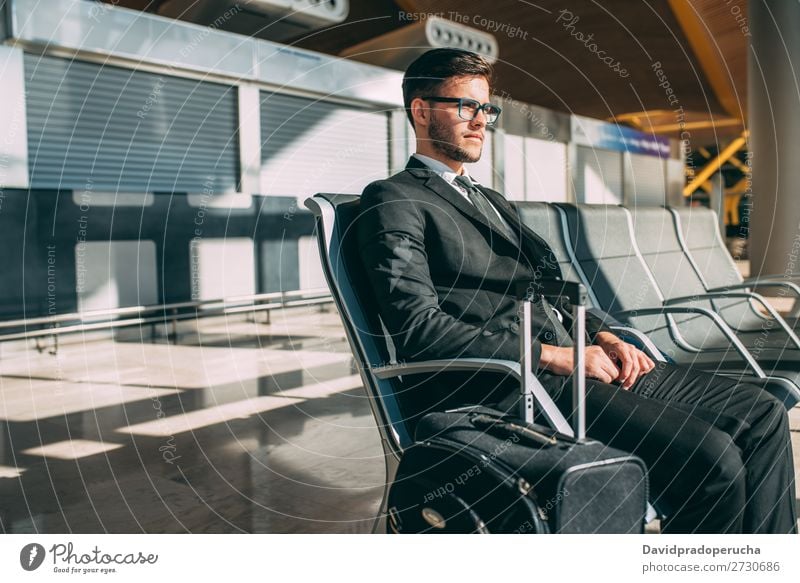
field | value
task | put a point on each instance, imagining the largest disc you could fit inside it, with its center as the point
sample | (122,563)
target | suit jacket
(444,278)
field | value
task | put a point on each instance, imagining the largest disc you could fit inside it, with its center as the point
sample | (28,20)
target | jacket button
(514,327)
(548,336)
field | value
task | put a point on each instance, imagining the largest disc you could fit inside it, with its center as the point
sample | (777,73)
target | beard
(442,139)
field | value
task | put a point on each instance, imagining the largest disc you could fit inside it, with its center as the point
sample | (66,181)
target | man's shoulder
(399,185)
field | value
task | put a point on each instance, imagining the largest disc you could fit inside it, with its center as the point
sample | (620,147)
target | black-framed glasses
(468,108)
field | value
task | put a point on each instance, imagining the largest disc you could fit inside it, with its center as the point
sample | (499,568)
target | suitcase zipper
(489,423)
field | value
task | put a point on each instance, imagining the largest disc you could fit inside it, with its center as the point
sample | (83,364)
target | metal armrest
(746,295)
(720,323)
(453,365)
(790,283)
(549,409)
(760,283)
(649,348)
(770,278)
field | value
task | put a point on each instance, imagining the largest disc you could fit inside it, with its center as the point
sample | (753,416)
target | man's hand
(631,361)
(559,360)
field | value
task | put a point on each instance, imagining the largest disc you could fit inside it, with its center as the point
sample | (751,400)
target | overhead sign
(610,136)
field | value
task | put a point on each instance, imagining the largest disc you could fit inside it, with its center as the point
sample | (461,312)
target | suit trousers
(718,451)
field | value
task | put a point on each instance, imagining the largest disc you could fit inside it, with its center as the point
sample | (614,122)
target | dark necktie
(480,202)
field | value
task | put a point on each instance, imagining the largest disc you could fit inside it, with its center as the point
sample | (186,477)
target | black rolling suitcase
(477,470)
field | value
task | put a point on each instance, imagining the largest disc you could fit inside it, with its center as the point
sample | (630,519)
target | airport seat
(382,374)
(701,240)
(604,251)
(658,240)
(547,221)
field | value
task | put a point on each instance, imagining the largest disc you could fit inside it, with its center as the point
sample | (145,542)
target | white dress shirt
(449,176)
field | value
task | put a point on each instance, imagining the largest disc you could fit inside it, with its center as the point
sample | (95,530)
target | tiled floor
(242,427)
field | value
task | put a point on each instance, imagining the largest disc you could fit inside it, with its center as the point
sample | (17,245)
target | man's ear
(420,112)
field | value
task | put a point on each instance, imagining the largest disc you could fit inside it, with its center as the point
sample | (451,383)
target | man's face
(456,138)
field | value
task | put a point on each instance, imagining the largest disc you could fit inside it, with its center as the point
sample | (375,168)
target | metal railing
(159,314)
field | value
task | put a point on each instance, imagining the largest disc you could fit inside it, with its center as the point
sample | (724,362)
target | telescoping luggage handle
(575,293)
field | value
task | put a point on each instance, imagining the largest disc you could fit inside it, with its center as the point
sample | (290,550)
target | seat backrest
(545,220)
(601,238)
(701,238)
(605,248)
(337,239)
(658,243)
(549,223)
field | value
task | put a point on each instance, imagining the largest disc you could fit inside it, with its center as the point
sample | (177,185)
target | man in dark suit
(444,256)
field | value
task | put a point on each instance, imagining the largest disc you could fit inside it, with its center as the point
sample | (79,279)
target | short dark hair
(434,67)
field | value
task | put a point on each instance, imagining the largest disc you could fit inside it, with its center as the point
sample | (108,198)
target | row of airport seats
(667,273)
(642,285)
(637,265)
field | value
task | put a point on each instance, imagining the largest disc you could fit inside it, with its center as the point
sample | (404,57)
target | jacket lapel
(439,185)
(511,215)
